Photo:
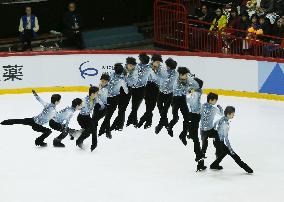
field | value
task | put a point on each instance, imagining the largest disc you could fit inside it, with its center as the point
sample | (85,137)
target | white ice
(139,166)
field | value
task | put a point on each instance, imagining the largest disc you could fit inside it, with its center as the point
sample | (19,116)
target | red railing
(233,41)
(173,28)
(169,28)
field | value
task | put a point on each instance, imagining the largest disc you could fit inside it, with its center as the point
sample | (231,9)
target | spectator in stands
(254,21)
(278,31)
(234,20)
(205,16)
(265,25)
(244,24)
(72,26)
(219,22)
(28,28)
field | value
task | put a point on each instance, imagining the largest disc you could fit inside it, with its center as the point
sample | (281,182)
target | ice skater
(155,76)
(143,70)
(182,85)
(101,104)
(37,123)
(131,78)
(194,108)
(225,146)
(85,121)
(116,85)
(61,122)
(165,95)
(208,114)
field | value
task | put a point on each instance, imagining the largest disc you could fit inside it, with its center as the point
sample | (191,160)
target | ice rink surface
(139,166)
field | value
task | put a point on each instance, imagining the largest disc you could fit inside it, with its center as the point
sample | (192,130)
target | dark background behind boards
(95,13)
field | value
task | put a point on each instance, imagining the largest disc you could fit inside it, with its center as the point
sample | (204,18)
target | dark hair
(131,60)
(229,110)
(105,76)
(199,81)
(118,68)
(55,98)
(156,57)
(76,102)
(171,63)
(71,2)
(183,70)
(262,17)
(254,15)
(144,58)
(212,96)
(93,89)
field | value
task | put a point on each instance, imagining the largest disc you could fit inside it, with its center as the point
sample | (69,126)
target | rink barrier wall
(86,88)
(74,71)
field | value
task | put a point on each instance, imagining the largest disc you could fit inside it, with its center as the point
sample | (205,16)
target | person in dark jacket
(278,31)
(244,24)
(72,23)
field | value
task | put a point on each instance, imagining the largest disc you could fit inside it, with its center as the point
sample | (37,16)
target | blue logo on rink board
(271,78)
(87,71)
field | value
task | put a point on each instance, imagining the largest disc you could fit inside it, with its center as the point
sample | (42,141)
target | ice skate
(39,142)
(58,143)
(215,167)
(200,166)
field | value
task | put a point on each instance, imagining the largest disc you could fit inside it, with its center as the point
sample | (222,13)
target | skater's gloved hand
(34,92)
(219,107)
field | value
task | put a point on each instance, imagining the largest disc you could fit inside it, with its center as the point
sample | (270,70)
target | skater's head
(104,79)
(130,63)
(230,112)
(93,92)
(183,73)
(199,81)
(212,98)
(171,64)
(156,60)
(55,99)
(118,68)
(144,58)
(77,103)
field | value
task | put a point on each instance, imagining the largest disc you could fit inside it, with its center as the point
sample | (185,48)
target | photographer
(72,27)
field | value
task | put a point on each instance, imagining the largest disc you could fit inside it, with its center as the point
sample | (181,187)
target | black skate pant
(179,103)
(210,134)
(193,133)
(98,113)
(123,102)
(112,105)
(224,151)
(59,127)
(30,122)
(137,98)
(151,95)
(163,103)
(89,126)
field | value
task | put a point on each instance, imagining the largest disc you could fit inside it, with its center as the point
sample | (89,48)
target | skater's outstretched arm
(39,99)
(220,110)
